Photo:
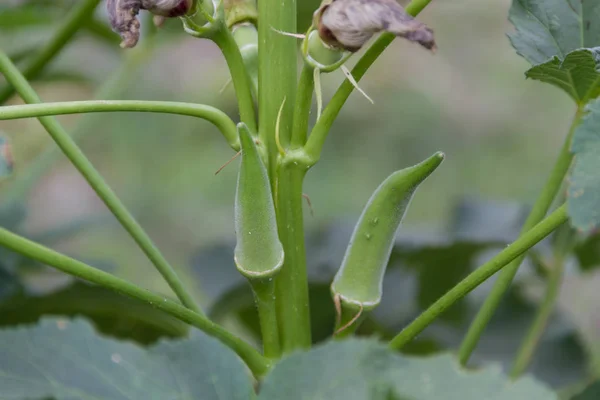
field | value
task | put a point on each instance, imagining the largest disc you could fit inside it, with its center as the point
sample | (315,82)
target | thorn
(277,141)
(318,92)
(228,162)
(225,86)
(350,77)
(294,35)
(349,324)
(337,302)
(312,214)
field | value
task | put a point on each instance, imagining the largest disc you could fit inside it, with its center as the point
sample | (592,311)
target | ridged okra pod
(357,286)
(258,253)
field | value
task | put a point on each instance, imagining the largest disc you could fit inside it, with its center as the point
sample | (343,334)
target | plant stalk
(293,311)
(77,17)
(26,179)
(540,322)
(211,114)
(255,361)
(520,246)
(306,88)
(316,141)
(264,293)
(239,76)
(539,210)
(93,177)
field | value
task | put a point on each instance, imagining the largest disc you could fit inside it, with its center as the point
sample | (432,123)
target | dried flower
(349,24)
(123,15)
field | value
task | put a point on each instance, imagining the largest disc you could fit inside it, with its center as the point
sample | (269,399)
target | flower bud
(349,24)
(123,15)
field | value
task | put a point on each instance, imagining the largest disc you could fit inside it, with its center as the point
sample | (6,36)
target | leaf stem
(93,177)
(77,17)
(239,75)
(520,246)
(319,133)
(114,87)
(540,322)
(306,87)
(539,210)
(257,363)
(211,114)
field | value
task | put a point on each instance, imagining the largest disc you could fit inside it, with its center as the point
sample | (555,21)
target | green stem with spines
(477,277)
(93,177)
(539,210)
(76,18)
(258,364)
(211,114)
(319,133)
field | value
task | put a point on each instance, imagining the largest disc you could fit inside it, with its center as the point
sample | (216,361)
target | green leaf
(578,74)
(548,28)
(592,392)
(112,313)
(364,369)
(584,183)
(68,360)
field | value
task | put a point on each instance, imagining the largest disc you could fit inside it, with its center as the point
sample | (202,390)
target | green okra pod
(258,253)
(357,286)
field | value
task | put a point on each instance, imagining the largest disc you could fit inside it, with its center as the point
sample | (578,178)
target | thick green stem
(277,81)
(540,322)
(317,138)
(257,363)
(477,277)
(239,76)
(277,74)
(306,88)
(211,114)
(264,293)
(80,161)
(292,285)
(78,16)
(539,210)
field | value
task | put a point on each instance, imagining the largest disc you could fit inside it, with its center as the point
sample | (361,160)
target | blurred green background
(470,99)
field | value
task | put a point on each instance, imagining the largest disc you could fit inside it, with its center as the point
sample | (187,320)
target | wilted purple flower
(349,24)
(123,15)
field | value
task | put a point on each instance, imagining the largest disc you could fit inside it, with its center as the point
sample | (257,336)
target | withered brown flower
(123,15)
(349,24)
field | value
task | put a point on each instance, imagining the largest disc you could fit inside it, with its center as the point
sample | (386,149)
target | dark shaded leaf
(592,392)
(112,314)
(67,360)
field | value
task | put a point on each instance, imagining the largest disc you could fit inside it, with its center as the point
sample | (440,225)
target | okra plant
(290,345)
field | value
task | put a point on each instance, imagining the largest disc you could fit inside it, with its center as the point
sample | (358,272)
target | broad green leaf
(111,313)
(578,74)
(584,182)
(592,392)
(68,360)
(549,28)
(364,369)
